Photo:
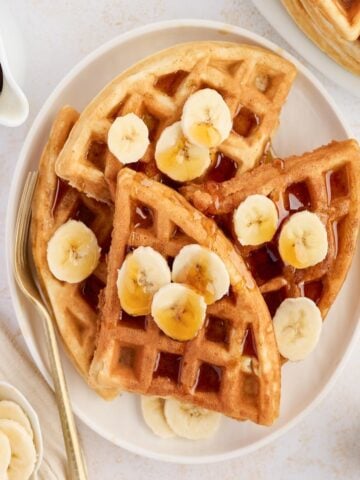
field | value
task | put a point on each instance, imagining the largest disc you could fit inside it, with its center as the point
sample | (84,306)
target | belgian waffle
(327,182)
(254,82)
(74,305)
(232,366)
(334,25)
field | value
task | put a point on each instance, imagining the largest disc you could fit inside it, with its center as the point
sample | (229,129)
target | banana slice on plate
(178,311)
(206,119)
(141,275)
(128,138)
(189,421)
(179,159)
(23,453)
(12,411)
(297,325)
(5,456)
(255,220)
(303,240)
(153,412)
(73,252)
(202,270)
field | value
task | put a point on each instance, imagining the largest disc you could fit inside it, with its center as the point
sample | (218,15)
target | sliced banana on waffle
(141,275)
(178,158)
(203,270)
(153,412)
(178,311)
(5,456)
(73,252)
(255,220)
(297,326)
(23,453)
(190,421)
(206,119)
(12,411)
(303,240)
(128,138)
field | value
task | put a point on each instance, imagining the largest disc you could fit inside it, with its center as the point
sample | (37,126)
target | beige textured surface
(325,445)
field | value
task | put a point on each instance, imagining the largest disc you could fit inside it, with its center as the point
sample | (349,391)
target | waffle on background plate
(334,25)
(233,364)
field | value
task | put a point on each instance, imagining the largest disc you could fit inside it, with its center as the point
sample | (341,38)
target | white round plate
(309,119)
(276,14)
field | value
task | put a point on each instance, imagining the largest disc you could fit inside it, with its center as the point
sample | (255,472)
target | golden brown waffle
(334,25)
(254,82)
(327,182)
(55,202)
(232,366)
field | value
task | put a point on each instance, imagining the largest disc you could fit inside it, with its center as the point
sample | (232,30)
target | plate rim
(16,296)
(312,54)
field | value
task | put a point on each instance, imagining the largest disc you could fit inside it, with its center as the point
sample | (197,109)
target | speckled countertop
(326,445)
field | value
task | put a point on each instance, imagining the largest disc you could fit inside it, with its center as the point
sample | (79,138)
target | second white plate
(309,119)
(276,14)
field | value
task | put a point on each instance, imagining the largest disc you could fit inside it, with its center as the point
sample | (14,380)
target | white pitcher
(14,107)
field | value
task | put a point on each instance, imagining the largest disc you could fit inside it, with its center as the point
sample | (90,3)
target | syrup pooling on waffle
(232,365)
(254,83)
(325,182)
(75,306)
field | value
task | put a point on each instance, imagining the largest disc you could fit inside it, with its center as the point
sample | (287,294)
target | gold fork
(25,280)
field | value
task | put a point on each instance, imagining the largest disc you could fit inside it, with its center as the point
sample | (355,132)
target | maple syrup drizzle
(245,122)
(105,245)
(216,330)
(83,214)
(152,124)
(265,263)
(312,290)
(90,290)
(249,347)
(336,184)
(60,191)
(143,217)
(208,378)
(138,322)
(224,169)
(168,365)
(274,299)
(297,197)
(170,83)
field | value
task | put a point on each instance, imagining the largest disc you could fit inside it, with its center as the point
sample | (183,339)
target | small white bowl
(8,392)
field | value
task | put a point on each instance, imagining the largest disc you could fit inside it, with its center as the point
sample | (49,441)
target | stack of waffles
(135,232)
(334,25)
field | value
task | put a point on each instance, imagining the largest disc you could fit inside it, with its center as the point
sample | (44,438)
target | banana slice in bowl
(20,431)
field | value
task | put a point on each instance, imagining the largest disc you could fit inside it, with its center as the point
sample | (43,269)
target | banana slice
(178,311)
(5,456)
(73,252)
(128,138)
(303,240)
(12,411)
(23,453)
(179,159)
(143,272)
(297,326)
(203,270)
(206,119)
(153,412)
(255,220)
(189,421)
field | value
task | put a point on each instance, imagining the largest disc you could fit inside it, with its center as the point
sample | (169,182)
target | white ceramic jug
(14,107)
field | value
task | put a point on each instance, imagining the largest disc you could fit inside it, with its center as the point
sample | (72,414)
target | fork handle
(76,464)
